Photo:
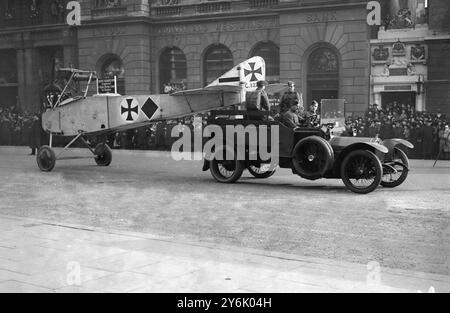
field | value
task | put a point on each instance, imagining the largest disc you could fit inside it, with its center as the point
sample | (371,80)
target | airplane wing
(104,113)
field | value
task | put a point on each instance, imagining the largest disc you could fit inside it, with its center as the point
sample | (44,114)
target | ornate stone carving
(418,53)
(381,53)
(399,49)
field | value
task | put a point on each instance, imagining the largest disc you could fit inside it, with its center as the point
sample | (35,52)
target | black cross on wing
(129,110)
(252,72)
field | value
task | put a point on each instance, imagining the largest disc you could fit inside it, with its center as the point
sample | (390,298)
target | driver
(312,116)
(290,118)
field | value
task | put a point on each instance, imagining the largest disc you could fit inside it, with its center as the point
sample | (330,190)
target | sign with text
(107,85)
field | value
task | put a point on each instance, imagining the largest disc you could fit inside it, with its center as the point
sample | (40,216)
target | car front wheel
(361,171)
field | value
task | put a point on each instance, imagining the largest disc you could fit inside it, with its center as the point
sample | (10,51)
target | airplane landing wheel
(103,155)
(46,159)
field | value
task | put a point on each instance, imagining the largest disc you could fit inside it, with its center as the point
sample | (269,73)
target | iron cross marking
(253,72)
(129,110)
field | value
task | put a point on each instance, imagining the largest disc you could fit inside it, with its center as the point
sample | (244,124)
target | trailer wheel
(46,159)
(401,164)
(361,171)
(312,157)
(226,170)
(103,154)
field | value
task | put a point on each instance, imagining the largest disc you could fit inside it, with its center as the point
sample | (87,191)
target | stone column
(28,93)
(377,99)
(420,102)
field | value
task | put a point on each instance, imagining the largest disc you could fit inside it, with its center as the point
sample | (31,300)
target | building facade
(409,56)
(438,42)
(323,46)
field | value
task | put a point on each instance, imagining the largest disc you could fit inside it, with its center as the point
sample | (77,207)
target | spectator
(427,147)
(444,137)
(35,133)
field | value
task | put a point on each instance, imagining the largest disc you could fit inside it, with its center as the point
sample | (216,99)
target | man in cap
(312,116)
(290,97)
(290,118)
(258,100)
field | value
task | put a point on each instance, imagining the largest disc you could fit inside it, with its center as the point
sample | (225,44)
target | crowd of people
(429,133)
(169,88)
(19,128)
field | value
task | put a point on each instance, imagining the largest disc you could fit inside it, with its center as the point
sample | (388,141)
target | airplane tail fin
(245,74)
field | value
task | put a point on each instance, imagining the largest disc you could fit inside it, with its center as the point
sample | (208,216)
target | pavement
(149,224)
(43,257)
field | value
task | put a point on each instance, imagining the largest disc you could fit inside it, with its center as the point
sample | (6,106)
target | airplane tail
(245,74)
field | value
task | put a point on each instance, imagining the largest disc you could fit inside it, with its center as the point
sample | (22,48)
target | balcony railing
(168,10)
(163,8)
(256,4)
(105,12)
(216,6)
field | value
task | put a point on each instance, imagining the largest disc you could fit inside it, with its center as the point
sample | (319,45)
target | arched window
(172,69)
(217,61)
(323,75)
(111,65)
(270,52)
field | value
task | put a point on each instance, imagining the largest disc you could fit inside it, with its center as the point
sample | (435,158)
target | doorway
(323,75)
(407,98)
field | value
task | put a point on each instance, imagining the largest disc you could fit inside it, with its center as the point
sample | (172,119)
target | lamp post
(420,83)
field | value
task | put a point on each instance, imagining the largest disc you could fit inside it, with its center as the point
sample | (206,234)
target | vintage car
(310,152)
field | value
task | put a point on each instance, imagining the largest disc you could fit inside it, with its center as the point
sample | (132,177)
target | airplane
(102,113)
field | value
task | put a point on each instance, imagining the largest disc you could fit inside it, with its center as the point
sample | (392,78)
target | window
(270,52)
(217,61)
(8,78)
(323,75)
(172,70)
(111,65)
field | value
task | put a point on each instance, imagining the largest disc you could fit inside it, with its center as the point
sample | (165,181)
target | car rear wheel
(261,171)
(400,163)
(361,171)
(226,170)
(312,157)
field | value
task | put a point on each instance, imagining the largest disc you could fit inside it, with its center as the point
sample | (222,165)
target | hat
(261,83)
(291,83)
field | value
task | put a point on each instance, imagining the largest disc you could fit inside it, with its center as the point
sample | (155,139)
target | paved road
(404,228)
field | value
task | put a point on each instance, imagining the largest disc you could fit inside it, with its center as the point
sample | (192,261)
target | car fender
(362,145)
(392,143)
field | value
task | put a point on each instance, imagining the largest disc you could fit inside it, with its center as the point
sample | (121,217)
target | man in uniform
(290,97)
(290,117)
(257,100)
(312,117)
